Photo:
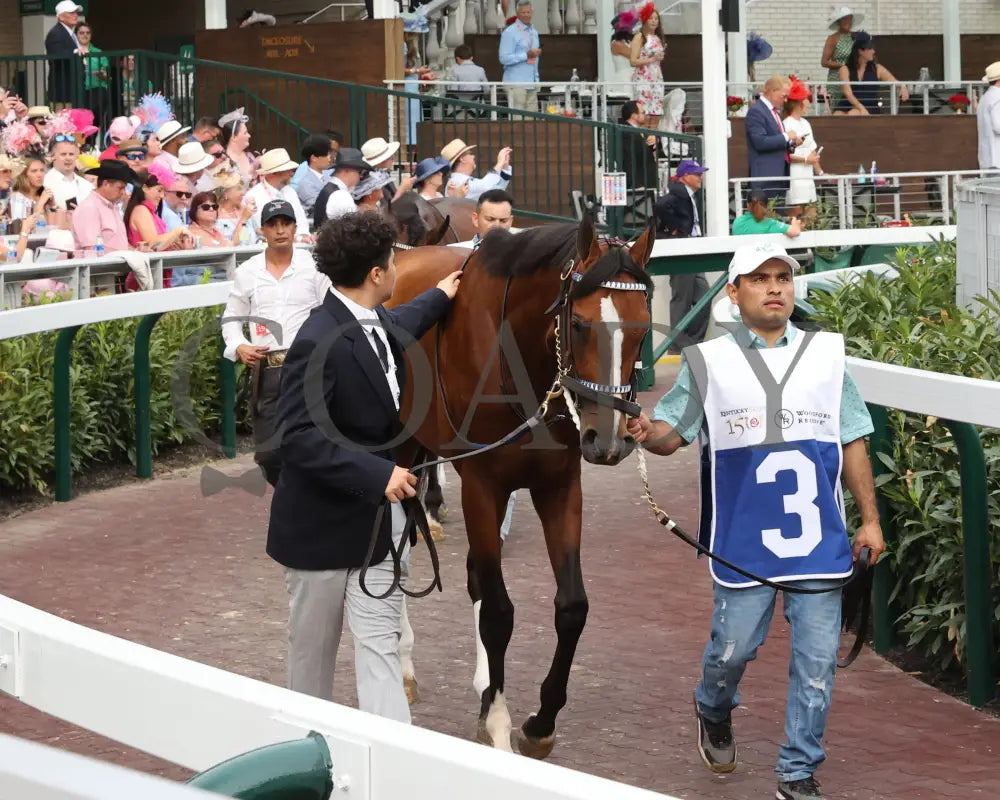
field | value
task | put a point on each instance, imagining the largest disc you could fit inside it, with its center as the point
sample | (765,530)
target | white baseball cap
(750,256)
(67,7)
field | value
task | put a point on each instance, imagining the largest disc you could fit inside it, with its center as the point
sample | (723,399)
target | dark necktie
(383,354)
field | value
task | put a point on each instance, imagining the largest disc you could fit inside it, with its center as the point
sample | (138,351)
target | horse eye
(577,324)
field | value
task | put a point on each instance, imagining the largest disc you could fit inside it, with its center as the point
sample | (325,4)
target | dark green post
(60,412)
(301,769)
(882,614)
(143,391)
(227,385)
(976,564)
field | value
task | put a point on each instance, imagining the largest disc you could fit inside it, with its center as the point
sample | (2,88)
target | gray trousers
(317,600)
(519,97)
(686,291)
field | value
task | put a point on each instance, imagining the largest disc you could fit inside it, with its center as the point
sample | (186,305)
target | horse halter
(620,397)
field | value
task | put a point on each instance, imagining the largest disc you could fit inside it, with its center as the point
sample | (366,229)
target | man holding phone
(273,294)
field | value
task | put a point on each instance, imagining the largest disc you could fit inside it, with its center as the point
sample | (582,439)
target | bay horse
(460,211)
(420,223)
(550,320)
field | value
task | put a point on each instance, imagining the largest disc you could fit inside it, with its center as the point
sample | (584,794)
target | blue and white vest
(772,418)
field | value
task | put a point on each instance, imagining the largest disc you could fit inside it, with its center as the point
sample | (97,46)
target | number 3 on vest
(801,503)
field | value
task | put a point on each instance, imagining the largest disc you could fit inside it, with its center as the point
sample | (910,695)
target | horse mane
(507,255)
(406,210)
(510,255)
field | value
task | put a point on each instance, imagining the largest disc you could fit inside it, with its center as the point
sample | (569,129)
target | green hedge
(102,396)
(913,321)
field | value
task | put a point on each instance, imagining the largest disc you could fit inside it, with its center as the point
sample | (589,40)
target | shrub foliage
(102,396)
(913,321)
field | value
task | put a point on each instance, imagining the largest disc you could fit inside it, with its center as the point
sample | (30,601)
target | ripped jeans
(739,626)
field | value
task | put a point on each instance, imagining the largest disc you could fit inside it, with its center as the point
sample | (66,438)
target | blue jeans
(739,626)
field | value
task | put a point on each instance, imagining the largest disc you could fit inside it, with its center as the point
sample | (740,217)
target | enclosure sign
(285,46)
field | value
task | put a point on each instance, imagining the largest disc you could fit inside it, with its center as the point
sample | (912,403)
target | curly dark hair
(348,247)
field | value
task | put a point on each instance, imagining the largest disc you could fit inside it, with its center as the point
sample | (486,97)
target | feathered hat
(646,11)
(625,21)
(154,111)
(164,175)
(757,48)
(19,137)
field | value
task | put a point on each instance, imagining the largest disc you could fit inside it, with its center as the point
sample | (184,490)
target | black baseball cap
(277,208)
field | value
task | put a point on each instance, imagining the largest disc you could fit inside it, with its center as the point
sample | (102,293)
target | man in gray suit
(317,152)
(988,119)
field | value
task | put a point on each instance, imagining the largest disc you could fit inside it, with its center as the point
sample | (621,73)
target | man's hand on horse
(450,284)
(249,354)
(869,535)
(401,484)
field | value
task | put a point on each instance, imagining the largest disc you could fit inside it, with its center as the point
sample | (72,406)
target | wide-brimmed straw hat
(430,166)
(455,149)
(191,157)
(377,150)
(38,111)
(992,73)
(276,160)
(837,13)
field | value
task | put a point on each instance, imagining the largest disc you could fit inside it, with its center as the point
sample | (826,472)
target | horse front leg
(560,511)
(495,611)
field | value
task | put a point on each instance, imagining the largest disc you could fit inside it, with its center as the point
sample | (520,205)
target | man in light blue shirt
(519,54)
(337,139)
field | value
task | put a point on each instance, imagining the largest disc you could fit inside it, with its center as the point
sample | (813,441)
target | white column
(713,65)
(605,13)
(385,9)
(215,14)
(738,49)
(951,30)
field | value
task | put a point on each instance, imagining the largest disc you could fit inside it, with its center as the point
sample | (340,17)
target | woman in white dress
(805,158)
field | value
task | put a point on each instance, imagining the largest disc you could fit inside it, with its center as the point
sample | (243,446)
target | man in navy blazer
(768,144)
(61,44)
(338,406)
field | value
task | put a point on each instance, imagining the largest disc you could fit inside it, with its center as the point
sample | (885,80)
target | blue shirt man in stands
(519,53)
(780,429)
(337,140)
(317,155)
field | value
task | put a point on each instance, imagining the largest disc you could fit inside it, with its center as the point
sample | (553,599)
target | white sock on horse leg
(406,644)
(481,680)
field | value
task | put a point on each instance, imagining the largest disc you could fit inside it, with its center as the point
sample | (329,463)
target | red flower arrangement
(959,101)
(734,104)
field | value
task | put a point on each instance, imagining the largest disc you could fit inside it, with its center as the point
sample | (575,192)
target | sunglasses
(218,154)
(63,137)
(182,195)
(209,206)
(134,156)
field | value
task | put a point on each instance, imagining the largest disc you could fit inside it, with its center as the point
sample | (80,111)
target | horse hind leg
(560,513)
(406,640)
(433,500)
(481,678)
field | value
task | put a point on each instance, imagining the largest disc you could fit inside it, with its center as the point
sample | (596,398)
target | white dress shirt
(776,115)
(287,300)
(363,315)
(696,227)
(340,202)
(264,192)
(491,180)
(76,186)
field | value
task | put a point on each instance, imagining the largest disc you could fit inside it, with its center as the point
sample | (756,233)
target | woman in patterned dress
(837,49)
(647,51)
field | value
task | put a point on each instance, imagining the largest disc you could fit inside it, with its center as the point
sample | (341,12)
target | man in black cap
(272,293)
(335,198)
(99,216)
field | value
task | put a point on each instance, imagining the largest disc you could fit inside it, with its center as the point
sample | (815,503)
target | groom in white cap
(275,169)
(781,421)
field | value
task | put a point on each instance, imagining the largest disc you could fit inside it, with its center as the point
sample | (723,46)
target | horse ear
(441,232)
(643,247)
(587,246)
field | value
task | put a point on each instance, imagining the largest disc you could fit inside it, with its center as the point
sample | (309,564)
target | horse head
(602,319)
(419,222)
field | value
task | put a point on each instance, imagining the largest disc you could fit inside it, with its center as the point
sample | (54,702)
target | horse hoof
(437,532)
(412,692)
(483,735)
(442,513)
(535,747)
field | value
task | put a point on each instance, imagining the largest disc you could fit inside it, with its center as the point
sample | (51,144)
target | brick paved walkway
(160,564)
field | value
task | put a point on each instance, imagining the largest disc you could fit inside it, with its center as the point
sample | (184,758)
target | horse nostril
(589,436)
(629,439)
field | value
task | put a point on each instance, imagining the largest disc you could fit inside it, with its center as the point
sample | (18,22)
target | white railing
(860,196)
(29,770)
(683,100)
(88,277)
(197,716)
